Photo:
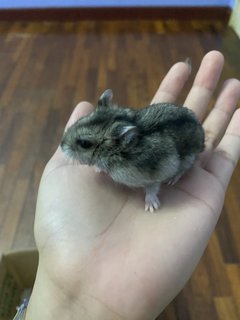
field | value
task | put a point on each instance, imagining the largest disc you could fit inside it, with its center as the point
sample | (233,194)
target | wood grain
(46,68)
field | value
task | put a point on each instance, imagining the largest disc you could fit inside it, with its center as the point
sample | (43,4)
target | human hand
(101,255)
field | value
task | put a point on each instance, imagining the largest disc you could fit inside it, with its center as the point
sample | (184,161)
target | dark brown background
(46,68)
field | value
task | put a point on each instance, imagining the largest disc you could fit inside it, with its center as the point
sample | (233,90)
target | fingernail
(189,64)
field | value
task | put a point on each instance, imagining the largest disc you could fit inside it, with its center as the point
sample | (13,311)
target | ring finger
(217,121)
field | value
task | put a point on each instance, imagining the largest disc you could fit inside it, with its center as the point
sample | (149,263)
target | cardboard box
(17,275)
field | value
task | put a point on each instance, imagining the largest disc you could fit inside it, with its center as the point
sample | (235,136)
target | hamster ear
(105,99)
(127,135)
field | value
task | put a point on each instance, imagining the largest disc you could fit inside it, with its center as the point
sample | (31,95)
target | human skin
(101,256)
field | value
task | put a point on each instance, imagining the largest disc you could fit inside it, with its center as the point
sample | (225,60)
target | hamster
(138,148)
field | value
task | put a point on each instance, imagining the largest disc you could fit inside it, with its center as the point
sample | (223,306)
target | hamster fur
(137,148)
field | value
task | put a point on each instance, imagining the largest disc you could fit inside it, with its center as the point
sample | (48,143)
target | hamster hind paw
(174,180)
(152,202)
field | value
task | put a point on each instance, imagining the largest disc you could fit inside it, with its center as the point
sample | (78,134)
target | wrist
(50,301)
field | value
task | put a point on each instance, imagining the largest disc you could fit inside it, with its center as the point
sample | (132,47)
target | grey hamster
(137,148)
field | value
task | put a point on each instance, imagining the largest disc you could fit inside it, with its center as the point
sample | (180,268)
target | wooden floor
(46,68)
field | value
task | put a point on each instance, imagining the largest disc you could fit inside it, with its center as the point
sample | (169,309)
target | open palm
(98,246)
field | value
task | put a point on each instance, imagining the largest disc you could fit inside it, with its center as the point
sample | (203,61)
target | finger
(81,110)
(204,84)
(217,121)
(173,83)
(225,157)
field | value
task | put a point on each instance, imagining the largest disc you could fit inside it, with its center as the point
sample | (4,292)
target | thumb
(59,159)
(81,110)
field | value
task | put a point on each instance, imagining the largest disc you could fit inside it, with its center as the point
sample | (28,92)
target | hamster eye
(84,143)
